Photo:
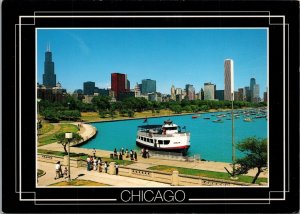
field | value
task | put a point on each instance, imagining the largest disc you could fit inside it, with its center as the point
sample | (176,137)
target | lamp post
(69,136)
(233,144)
(37,116)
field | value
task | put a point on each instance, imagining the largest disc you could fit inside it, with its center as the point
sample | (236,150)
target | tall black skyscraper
(49,77)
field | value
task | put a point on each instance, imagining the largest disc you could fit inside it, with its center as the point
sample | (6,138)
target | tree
(130,113)
(60,137)
(51,115)
(255,150)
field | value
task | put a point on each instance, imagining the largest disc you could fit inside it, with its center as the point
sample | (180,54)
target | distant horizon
(169,56)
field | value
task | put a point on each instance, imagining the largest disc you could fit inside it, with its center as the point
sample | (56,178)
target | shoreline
(172,115)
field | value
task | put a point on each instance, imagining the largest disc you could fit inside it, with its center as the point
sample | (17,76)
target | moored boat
(248,119)
(166,137)
(218,121)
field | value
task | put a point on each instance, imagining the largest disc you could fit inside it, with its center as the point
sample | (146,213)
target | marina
(212,141)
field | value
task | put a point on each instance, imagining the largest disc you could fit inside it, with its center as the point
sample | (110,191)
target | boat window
(147,139)
(166,142)
(171,128)
(160,142)
(151,140)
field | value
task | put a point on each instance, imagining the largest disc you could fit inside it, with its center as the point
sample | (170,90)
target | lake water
(212,141)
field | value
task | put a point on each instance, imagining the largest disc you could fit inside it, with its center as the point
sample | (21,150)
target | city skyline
(186,56)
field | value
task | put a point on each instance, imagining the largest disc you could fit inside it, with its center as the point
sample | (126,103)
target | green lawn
(47,139)
(205,173)
(46,127)
(79,182)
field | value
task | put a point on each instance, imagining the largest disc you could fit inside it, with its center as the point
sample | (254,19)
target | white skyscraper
(229,79)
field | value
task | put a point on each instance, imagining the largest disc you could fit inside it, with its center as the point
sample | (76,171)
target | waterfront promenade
(86,131)
(82,173)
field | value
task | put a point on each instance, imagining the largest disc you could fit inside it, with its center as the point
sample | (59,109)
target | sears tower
(49,77)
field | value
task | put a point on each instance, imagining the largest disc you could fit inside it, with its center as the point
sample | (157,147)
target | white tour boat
(166,137)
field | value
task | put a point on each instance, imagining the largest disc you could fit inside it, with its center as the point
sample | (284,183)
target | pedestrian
(131,154)
(57,170)
(94,152)
(66,172)
(95,164)
(105,166)
(60,171)
(135,156)
(126,152)
(120,156)
(100,166)
(142,151)
(117,168)
(122,150)
(147,153)
(88,161)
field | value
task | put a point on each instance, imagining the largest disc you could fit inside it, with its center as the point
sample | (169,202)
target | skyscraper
(88,88)
(252,83)
(255,97)
(209,91)
(247,94)
(148,86)
(118,83)
(229,79)
(173,94)
(220,94)
(190,92)
(49,77)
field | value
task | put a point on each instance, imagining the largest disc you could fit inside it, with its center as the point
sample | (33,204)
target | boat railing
(148,134)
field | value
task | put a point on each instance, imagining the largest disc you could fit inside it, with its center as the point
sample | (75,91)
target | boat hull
(181,149)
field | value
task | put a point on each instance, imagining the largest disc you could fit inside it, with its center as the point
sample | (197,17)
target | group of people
(94,163)
(128,154)
(145,153)
(58,171)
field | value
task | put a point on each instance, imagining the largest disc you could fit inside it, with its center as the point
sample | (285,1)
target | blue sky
(169,56)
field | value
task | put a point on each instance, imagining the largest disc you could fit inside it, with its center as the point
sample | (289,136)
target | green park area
(102,108)
(48,132)
(206,173)
(78,182)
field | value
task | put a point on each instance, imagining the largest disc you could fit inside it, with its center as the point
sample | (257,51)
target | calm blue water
(211,140)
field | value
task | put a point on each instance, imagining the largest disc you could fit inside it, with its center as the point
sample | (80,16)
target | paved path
(113,180)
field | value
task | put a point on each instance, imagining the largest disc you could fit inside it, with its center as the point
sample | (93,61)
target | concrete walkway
(112,180)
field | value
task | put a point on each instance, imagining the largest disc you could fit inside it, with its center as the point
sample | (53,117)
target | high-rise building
(255,97)
(209,91)
(128,85)
(49,77)
(265,96)
(88,88)
(118,83)
(190,92)
(202,94)
(220,94)
(178,91)
(229,79)
(247,94)
(240,94)
(173,94)
(148,86)
(137,91)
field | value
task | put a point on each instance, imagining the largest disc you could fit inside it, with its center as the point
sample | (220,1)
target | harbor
(210,140)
